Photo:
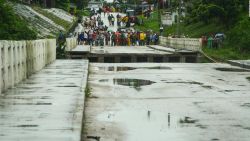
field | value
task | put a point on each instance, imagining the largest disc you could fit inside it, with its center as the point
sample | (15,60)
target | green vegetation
(195,30)
(88,91)
(151,23)
(63,4)
(80,13)
(12,27)
(54,18)
(226,53)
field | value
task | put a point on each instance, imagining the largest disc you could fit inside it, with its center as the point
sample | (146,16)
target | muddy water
(180,103)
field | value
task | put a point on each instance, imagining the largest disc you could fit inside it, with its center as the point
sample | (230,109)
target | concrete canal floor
(46,107)
(167,102)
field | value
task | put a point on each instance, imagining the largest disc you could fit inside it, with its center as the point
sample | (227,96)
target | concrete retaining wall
(193,44)
(19,59)
(70,43)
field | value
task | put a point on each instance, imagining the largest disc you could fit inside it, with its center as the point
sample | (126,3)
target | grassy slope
(54,18)
(150,24)
(195,30)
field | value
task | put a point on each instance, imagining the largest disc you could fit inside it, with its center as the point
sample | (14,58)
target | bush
(240,35)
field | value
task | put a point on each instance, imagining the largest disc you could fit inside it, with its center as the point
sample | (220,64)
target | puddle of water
(245,105)
(97,138)
(116,68)
(125,68)
(24,126)
(232,69)
(39,103)
(231,90)
(242,127)
(159,68)
(183,82)
(136,83)
(103,80)
(248,78)
(201,126)
(68,86)
(188,120)
(207,87)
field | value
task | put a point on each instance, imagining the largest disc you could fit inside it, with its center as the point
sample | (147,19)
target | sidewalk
(46,107)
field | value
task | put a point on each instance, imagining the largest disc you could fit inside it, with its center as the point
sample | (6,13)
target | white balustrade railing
(71,43)
(193,44)
(19,59)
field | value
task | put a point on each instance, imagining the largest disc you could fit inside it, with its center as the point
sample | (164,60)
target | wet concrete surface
(46,107)
(240,63)
(187,102)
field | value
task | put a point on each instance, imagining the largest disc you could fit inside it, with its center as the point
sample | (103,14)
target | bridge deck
(48,106)
(126,50)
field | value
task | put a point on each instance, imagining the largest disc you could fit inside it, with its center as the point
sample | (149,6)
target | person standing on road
(133,38)
(112,19)
(109,19)
(148,38)
(210,42)
(129,38)
(107,38)
(118,17)
(142,38)
(90,36)
(113,39)
(85,37)
(161,30)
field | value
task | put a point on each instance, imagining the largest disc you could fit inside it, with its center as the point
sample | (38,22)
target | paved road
(46,107)
(168,102)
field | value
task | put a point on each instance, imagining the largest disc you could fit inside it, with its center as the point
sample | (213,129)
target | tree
(240,35)
(12,27)
(63,4)
(225,11)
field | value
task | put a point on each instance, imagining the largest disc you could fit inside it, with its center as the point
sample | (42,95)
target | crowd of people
(98,34)
(213,41)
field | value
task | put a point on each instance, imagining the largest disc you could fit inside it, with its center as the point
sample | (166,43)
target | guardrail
(193,44)
(20,59)
(70,43)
